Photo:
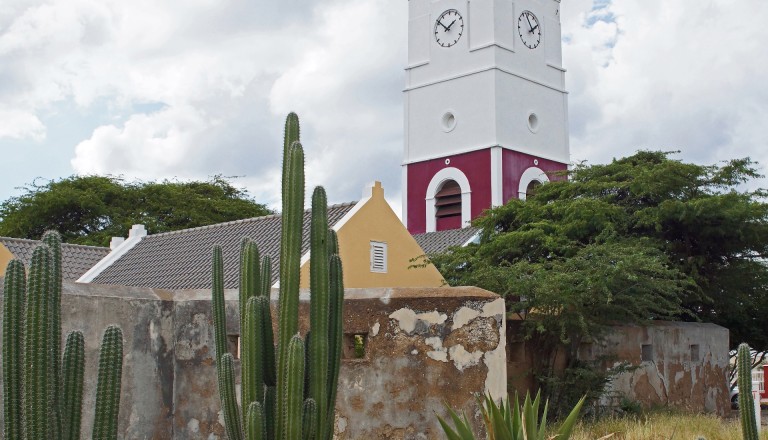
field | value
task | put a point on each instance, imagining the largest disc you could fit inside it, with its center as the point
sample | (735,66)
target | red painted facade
(514,164)
(476,166)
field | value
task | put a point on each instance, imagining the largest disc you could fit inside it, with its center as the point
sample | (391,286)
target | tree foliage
(92,209)
(643,237)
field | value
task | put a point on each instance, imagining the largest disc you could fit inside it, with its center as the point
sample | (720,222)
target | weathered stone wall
(146,317)
(423,348)
(678,364)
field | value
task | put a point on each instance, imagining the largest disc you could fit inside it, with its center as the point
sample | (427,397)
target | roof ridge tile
(31,241)
(241,221)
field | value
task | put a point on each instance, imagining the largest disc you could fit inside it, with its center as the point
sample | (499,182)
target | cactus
(37,346)
(42,393)
(108,388)
(746,402)
(73,369)
(290,392)
(53,241)
(13,337)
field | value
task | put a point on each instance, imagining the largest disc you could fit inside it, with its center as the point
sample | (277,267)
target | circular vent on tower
(448,122)
(533,122)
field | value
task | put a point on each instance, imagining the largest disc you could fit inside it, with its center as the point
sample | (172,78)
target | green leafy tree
(644,237)
(92,209)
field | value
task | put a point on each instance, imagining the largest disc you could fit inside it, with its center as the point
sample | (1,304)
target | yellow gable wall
(5,257)
(375,221)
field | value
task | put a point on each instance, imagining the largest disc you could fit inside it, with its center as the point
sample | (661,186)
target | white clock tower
(485,107)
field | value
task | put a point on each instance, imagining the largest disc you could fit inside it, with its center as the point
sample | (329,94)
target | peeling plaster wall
(146,317)
(425,347)
(674,376)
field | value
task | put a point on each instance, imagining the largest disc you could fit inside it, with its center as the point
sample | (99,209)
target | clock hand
(529,22)
(449,26)
(441,24)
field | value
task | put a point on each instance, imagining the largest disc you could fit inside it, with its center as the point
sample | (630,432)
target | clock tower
(485,107)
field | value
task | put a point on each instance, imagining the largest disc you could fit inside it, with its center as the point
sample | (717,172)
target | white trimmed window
(530,180)
(378,257)
(438,190)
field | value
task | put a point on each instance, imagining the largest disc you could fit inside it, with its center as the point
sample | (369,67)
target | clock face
(448,28)
(529,29)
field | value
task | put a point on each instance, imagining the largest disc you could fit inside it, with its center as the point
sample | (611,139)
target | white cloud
(145,146)
(346,86)
(682,75)
(20,125)
(203,89)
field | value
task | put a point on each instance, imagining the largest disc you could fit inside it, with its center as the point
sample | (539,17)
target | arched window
(530,180)
(532,187)
(448,200)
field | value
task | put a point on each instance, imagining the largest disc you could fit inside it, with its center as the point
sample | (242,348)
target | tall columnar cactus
(108,389)
(746,402)
(42,393)
(73,369)
(13,357)
(288,393)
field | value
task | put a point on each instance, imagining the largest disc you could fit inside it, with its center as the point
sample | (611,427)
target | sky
(157,90)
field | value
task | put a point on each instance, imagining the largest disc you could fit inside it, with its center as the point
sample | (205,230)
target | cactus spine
(42,393)
(290,394)
(746,402)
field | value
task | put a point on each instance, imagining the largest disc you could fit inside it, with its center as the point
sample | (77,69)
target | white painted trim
(438,179)
(554,66)
(523,150)
(473,239)
(417,64)
(405,191)
(136,234)
(483,70)
(528,176)
(367,195)
(487,45)
(374,246)
(496,177)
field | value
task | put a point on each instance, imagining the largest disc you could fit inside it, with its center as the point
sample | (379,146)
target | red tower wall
(475,165)
(514,165)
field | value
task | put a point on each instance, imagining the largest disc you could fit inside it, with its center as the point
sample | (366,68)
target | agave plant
(506,421)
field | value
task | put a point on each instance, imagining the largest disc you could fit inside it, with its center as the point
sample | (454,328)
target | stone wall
(680,364)
(677,364)
(422,348)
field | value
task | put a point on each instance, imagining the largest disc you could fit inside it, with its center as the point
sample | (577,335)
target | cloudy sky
(154,89)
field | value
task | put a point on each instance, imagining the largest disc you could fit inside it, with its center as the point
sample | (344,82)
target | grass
(662,426)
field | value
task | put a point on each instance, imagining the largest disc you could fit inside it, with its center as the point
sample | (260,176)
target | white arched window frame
(437,181)
(532,174)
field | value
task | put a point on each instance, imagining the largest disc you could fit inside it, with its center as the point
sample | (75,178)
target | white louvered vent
(378,257)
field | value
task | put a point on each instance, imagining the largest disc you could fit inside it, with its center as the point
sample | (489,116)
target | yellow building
(376,249)
(374,246)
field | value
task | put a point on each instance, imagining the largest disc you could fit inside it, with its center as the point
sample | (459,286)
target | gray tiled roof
(75,259)
(182,259)
(439,242)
